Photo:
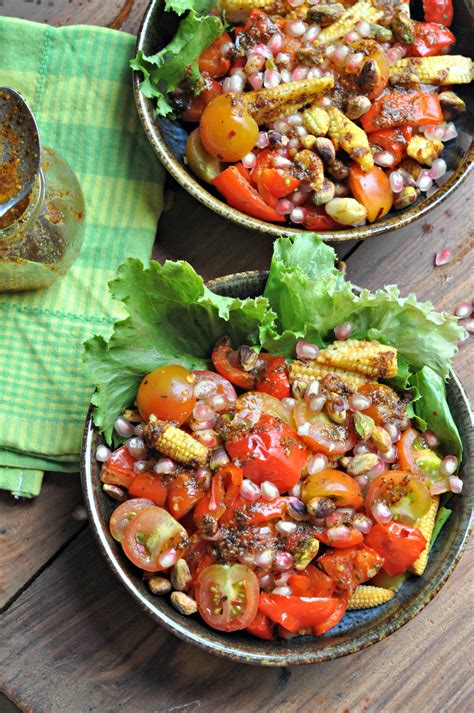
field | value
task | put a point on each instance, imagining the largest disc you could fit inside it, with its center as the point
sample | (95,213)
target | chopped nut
(340,190)
(114,492)
(248,357)
(380,33)
(369,76)
(308,166)
(336,409)
(324,195)
(381,438)
(159,585)
(362,463)
(357,106)
(364,425)
(305,552)
(403,28)
(451,104)
(325,149)
(407,197)
(320,507)
(183,603)
(296,509)
(325,14)
(337,169)
(180,576)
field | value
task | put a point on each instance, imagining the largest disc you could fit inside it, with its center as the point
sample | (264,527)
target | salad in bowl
(274,462)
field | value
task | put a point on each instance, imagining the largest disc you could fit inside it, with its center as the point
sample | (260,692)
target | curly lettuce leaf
(166,69)
(201,7)
(172,319)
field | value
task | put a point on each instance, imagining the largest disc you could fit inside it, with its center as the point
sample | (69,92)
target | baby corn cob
(268,105)
(424,150)
(366,597)
(350,137)
(239,10)
(446,69)
(370,358)
(311,370)
(316,121)
(425,525)
(175,443)
(362,10)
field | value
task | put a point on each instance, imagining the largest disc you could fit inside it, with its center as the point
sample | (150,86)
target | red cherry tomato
(220,358)
(399,545)
(274,379)
(167,392)
(198,103)
(438,11)
(334,619)
(405,450)
(341,488)
(184,491)
(124,514)
(372,189)
(211,59)
(227,596)
(296,613)
(253,513)
(223,388)
(264,160)
(350,567)
(431,39)
(317,218)
(312,582)
(198,555)
(406,495)
(149,485)
(271,450)
(323,435)
(262,627)
(386,407)
(119,468)
(151,533)
(392,140)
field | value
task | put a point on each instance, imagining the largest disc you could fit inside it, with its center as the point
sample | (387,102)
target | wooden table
(72,639)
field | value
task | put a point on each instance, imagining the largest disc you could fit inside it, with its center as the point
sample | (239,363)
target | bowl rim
(226,648)
(198,191)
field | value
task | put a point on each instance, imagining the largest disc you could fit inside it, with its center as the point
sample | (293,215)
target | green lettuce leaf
(200,7)
(166,69)
(173,318)
(443,516)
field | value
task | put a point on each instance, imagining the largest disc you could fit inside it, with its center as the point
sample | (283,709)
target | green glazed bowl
(358,629)
(168,138)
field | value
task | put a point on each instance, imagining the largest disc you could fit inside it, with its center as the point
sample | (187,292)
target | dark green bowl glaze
(168,138)
(358,629)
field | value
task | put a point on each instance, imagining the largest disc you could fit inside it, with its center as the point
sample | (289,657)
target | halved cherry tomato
(431,39)
(312,582)
(271,450)
(392,140)
(151,533)
(225,489)
(211,59)
(275,183)
(227,130)
(351,537)
(387,407)
(223,388)
(220,359)
(438,11)
(416,457)
(241,195)
(399,108)
(373,52)
(252,405)
(405,449)
(406,495)
(262,627)
(274,379)
(334,619)
(167,392)
(184,491)
(227,596)
(350,567)
(124,514)
(341,488)
(296,613)
(150,486)
(317,218)
(211,90)
(372,189)
(118,470)
(399,545)
(323,435)
(245,513)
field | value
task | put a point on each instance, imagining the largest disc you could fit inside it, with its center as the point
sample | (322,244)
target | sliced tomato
(118,470)
(223,388)
(227,596)
(149,485)
(220,359)
(398,108)
(350,567)
(341,488)
(399,545)
(438,11)
(274,379)
(431,39)
(271,450)
(334,619)
(405,493)
(211,59)
(275,183)
(225,490)
(386,407)
(351,538)
(312,582)
(241,195)
(372,189)
(415,457)
(151,533)
(124,514)
(317,219)
(184,491)
(167,392)
(262,627)
(211,90)
(251,406)
(296,613)
(323,435)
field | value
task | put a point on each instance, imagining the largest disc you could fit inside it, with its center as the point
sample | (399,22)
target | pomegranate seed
(434,132)
(249,491)
(283,577)
(249,160)
(338,533)
(295,120)
(431,439)
(102,453)
(469,326)
(281,162)
(443,257)
(306,350)
(286,527)
(295,491)
(463,310)
(218,458)
(283,561)
(340,54)
(312,390)
(396,182)
(207,437)
(139,466)
(284,206)
(389,456)
(263,140)
(264,558)
(283,591)
(362,523)
(123,427)
(455,484)
(352,36)
(317,463)
(354,61)
(343,331)
(449,465)
(317,403)
(289,402)
(136,447)
(330,50)
(381,512)
(283,58)
(424,181)
(295,3)
(438,169)
(202,412)
(256,82)
(165,466)
(363,448)
(450,132)
(271,79)
(378,469)
(295,28)
(236,84)
(361,480)
(299,73)
(363,28)
(262,51)
(168,558)
(311,33)
(285,76)
(268,490)
(275,43)
(204,477)
(246,558)
(384,159)
(298,215)
(393,431)
(393,56)
(315,73)
(266,581)
(359,402)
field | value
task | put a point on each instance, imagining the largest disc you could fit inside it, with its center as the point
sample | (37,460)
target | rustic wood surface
(73,640)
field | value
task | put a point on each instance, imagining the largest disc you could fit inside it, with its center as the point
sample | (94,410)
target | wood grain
(32,531)
(74,641)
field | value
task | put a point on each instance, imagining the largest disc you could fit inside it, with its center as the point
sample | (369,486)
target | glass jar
(41,236)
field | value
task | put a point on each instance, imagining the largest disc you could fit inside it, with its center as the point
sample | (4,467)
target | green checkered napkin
(78,83)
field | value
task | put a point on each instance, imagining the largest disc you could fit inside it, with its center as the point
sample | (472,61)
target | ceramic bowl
(358,629)
(168,138)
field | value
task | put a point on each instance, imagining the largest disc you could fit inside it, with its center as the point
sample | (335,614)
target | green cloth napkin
(78,83)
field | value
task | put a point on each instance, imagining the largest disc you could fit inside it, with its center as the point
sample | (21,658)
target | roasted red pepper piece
(274,379)
(399,545)
(402,108)
(438,11)
(262,627)
(392,140)
(431,39)
(296,613)
(241,195)
(220,359)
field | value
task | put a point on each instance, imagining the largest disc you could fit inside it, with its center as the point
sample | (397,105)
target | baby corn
(175,443)
(366,597)
(316,121)
(350,137)
(370,358)
(268,105)
(446,69)
(238,10)
(362,10)
(424,150)
(425,525)
(312,370)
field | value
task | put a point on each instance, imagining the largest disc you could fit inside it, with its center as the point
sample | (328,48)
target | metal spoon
(20,149)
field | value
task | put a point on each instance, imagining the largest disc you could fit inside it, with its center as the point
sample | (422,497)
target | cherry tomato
(251,406)
(317,218)
(372,83)
(150,486)
(223,388)
(221,360)
(274,379)
(118,470)
(387,407)
(334,619)
(312,582)
(351,537)
(324,435)
(124,514)
(341,488)
(211,59)
(350,567)
(275,183)
(438,11)
(151,533)
(211,90)
(228,131)
(184,491)
(416,457)
(167,392)
(201,163)
(431,39)
(399,545)
(227,596)
(262,627)
(405,494)
(372,189)
(392,140)
(271,450)
(296,613)
(241,195)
